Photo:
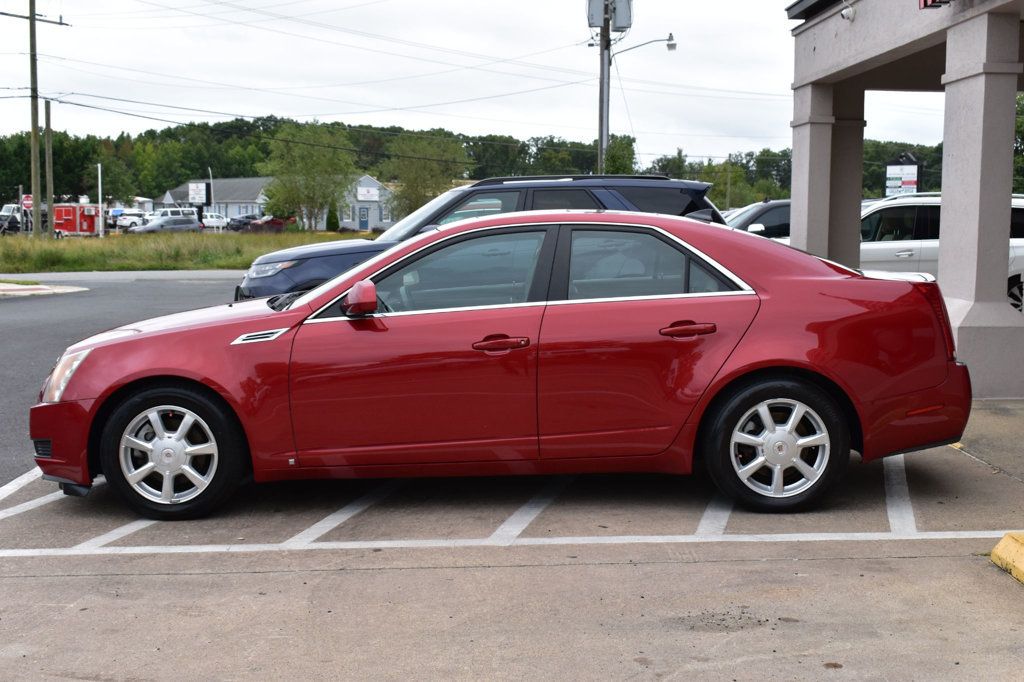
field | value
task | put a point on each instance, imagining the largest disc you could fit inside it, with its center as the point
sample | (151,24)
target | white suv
(901,233)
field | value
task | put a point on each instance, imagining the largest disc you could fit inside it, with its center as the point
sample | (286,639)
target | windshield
(737,216)
(8,209)
(411,224)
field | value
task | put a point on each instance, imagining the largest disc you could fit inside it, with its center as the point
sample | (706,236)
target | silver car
(187,223)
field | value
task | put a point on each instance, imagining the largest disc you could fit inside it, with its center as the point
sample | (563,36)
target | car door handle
(904,254)
(499,342)
(688,328)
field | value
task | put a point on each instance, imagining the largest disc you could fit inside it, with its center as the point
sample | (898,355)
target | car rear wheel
(172,453)
(1015,293)
(777,445)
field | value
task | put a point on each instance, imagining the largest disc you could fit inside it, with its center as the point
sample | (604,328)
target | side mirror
(361,299)
(756,228)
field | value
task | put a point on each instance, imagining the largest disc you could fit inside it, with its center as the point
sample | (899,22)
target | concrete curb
(13,290)
(1009,555)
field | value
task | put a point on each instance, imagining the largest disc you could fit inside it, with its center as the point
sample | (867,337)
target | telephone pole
(49,165)
(34,87)
(605,51)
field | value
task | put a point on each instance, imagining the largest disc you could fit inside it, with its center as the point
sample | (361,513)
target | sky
(520,68)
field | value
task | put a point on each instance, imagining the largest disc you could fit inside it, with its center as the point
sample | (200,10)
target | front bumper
(66,426)
(928,418)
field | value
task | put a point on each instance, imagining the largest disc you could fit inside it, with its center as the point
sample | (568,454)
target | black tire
(1014,293)
(737,412)
(224,469)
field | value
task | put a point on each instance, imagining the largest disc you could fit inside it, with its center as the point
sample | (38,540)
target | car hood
(238,312)
(341,246)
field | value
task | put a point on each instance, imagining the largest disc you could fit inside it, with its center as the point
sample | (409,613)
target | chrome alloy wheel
(168,454)
(779,448)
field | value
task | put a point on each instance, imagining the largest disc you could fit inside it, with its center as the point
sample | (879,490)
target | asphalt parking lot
(623,577)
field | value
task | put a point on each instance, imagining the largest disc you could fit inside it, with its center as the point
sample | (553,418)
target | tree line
(310,159)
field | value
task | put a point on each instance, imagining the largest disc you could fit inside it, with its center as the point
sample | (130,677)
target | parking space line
(30,505)
(329,523)
(116,534)
(514,525)
(715,518)
(897,497)
(20,482)
(486,542)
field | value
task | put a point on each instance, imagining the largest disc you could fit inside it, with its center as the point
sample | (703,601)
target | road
(35,330)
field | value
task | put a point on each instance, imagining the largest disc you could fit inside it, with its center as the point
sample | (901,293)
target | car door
(445,371)
(928,237)
(889,240)
(636,328)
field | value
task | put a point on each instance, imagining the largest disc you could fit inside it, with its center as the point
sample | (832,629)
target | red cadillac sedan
(529,343)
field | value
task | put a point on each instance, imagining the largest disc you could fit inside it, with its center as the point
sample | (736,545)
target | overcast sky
(516,67)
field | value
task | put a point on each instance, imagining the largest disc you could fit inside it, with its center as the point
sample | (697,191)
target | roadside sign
(197,192)
(26,202)
(901,179)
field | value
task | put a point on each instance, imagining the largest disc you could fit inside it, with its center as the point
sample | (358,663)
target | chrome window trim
(744,288)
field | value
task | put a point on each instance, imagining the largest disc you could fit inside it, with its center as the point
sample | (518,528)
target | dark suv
(304,267)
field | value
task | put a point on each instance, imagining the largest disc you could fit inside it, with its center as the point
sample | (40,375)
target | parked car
(239,222)
(130,218)
(10,219)
(304,267)
(662,338)
(187,223)
(268,223)
(898,234)
(173,212)
(214,221)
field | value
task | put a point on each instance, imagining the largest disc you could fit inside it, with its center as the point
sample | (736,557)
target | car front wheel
(172,453)
(1015,293)
(777,445)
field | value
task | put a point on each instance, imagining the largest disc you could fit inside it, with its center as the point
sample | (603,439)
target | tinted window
(490,270)
(927,222)
(1017,223)
(890,224)
(668,200)
(775,222)
(482,204)
(611,264)
(544,199)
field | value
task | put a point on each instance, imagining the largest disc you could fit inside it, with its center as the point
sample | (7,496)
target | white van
(171,213)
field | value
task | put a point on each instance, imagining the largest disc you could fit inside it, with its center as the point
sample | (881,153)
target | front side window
(482,204)
(775,222)
(481,271)
(890,224)
(613,264)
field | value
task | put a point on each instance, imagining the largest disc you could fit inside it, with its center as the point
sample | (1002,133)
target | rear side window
(928,222)
(1017,223)
(554,199)
(614,264)
(668,200)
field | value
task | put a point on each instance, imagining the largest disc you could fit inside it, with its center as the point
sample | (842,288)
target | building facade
(971,51)
(367,206)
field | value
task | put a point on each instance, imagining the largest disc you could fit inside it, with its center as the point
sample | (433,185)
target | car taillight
(931,293)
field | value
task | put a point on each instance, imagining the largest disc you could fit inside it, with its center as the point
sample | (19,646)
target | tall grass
(192,251)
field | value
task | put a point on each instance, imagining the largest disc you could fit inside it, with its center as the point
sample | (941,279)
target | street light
(606,62)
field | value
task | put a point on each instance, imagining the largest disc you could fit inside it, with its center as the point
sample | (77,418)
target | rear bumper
(928,418)
(66,426)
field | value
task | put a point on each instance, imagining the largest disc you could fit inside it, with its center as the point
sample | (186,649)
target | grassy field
(150,251)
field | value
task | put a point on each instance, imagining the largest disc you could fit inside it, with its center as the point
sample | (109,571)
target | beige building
(969,49)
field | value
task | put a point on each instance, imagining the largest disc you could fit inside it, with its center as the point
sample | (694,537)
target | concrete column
(847,176)
(982,66)
(812,167)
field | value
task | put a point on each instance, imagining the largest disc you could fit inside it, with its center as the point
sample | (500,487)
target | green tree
(333,224)
(497,155)
(620,157)
(673,166)
(118,180)
(312,168)
(423,168)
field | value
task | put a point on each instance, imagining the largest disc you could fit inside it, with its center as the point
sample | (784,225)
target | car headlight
(268,269)
(61,375)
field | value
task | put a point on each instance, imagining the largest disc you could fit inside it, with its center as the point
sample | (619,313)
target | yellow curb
(1009,555)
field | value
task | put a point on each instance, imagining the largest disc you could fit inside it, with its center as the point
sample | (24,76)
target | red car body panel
(595,388)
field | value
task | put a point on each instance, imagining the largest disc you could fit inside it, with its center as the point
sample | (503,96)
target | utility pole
(34,87)
(49,166)
(99,182)
(605,50)
(36,198)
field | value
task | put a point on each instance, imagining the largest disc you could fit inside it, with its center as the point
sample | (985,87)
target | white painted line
(329,523)
(20,482)
(514,525)
(30,505)
(521,542)
(116,534)
(897,496)
(716,517)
